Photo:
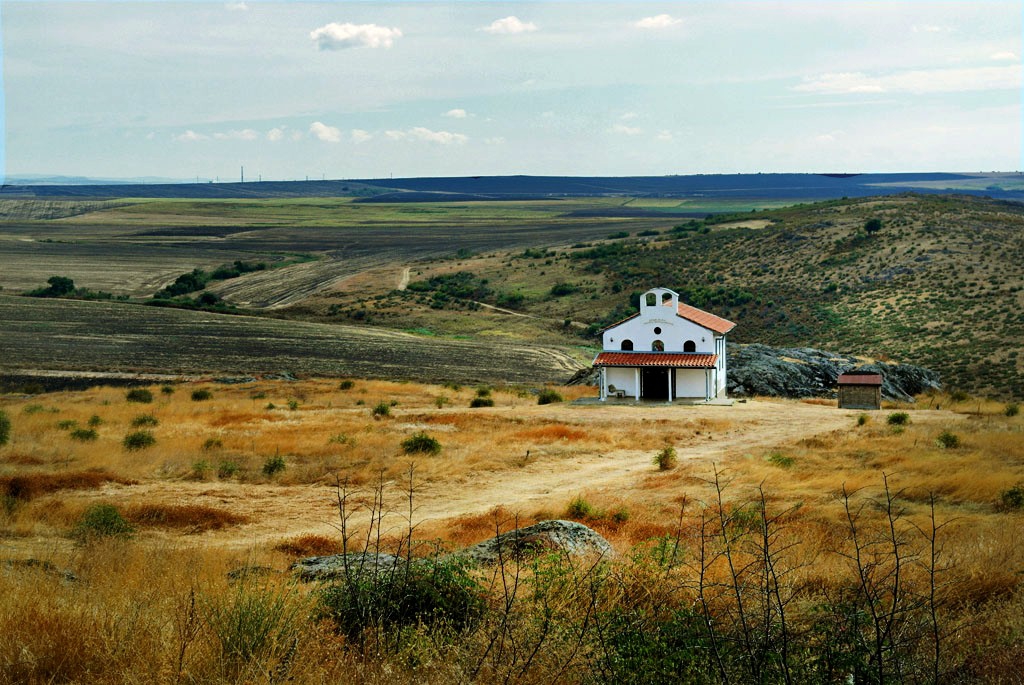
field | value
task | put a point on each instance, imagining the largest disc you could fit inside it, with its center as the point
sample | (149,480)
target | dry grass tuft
(194,518)
(553,432)
(309,545)
(29,486)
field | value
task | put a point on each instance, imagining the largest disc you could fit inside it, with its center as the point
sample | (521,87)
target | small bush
(33,409)
(84,435)
(481,402)
(99,521)
(548,396)
(434,593)
(226,469)
(780,460)
(346,384)
(959,396)
(1013,498)
(381,411)
(483,391)
(5,428)
(66,424)
(138,440)
(273,466)
(440,401)
(200,469)
(167,389)
(666,459)
(1012,409)
(421,443)
(143,420)
(201,395)
(140,395)
(95,421)
(898,418)
(863,419)
(579,508)
(293,404)
(211,444)
(948,440)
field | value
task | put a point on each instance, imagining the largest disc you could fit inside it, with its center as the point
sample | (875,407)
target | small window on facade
(689,346)
(666,299)
(657,346)
(627,345)
(657,330)
(651,299)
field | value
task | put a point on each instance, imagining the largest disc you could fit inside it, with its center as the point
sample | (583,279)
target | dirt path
(547,483)
(403,281)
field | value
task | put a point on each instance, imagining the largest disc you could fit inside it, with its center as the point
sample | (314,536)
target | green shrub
(579,508)
(144,420)
(780,460)
(483,391)
(1012,409)
(201,395)
(66,424)
(381,411)
(863,419)
(440,401)
(293,404)
(255,624)
(167,389)
(226,469)
(138,440)
(211,444)
(99,521)
(477,402)
(140,395)
(273,466)
(200,469)
(440,594)
(84,435)
(548,396)
(346,384)
(5,428)
(1013,498)
(948,440)
(666,459)
(95,421)
(421,443)
(959,396)
(898,418)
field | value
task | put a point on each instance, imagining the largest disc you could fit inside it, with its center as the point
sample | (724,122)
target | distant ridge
(468,188)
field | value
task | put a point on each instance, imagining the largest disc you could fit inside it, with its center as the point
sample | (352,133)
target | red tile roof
(860,379)
(705,319)
(660,359)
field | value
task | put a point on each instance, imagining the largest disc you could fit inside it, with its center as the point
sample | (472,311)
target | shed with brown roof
(860,390)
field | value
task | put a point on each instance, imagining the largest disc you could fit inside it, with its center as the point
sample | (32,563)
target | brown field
(203,503)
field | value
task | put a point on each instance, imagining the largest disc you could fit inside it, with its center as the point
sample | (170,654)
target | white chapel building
(667,351)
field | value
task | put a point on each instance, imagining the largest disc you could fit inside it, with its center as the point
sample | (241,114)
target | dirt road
(545,483)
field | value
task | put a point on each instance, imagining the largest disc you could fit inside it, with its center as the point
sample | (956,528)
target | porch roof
(656,359)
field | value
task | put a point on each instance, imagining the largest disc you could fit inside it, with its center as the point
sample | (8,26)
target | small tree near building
(872,226)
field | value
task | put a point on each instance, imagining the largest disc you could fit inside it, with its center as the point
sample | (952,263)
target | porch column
(671,372)
(604,384)
(636,375)
(707,385)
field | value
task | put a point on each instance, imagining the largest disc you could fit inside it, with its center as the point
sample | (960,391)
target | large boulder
(564,537)
(808,372)
(343,566)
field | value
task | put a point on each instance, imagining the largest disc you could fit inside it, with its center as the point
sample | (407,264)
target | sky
(369,89)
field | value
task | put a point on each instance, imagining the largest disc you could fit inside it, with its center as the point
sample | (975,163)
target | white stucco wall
(690,383)
(622,379)
(675,331)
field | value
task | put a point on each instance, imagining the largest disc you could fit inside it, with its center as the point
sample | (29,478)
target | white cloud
(328,134)
(360,136)
(336,36)
(660,21)
(629,116)
(510,25)
(929,28)
(190,136)
(665,136)
(626,130)
(275,134)
(236,6)
(244,134)
(419,133)
(918,81)
(456,113)
(1004,56)
(297,135)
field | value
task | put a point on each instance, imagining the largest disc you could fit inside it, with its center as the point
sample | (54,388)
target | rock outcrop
(564,537)
(809,372)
